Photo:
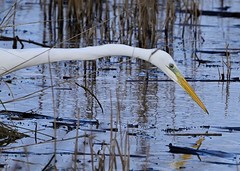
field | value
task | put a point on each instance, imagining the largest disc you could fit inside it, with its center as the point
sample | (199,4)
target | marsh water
(136,112)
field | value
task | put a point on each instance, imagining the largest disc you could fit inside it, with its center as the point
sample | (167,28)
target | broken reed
(226,63)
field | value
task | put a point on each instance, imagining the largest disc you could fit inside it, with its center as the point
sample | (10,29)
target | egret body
(15,59)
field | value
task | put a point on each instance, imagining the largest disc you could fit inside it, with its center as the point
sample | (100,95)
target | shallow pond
(140,118)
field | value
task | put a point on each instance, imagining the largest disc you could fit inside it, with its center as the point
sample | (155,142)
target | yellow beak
(184,84)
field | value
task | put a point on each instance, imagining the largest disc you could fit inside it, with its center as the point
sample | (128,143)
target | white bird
(15,59)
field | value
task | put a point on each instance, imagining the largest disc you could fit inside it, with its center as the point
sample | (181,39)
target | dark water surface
(150,113)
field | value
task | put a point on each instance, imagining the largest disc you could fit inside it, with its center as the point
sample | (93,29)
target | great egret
(14,59)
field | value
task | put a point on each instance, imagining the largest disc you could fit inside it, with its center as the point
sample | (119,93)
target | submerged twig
(49,162)
(6,38)
(195,134)
(86,89)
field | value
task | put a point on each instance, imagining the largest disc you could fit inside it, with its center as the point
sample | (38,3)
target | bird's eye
(171,65)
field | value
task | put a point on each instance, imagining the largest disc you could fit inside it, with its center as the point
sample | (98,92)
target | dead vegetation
(79,23)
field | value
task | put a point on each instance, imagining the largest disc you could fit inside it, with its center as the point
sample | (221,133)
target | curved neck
(14,59)
(94,52)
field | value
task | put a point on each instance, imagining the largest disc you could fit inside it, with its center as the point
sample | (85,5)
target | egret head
(166,63)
